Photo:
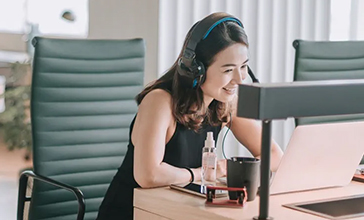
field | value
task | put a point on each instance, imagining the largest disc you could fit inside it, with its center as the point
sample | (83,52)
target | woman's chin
(225,99)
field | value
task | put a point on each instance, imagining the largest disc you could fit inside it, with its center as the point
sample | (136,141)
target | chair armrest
(22,190)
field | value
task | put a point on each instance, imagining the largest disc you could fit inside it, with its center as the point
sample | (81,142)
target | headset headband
(203,28)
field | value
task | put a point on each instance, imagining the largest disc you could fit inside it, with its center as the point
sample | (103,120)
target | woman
(195,96)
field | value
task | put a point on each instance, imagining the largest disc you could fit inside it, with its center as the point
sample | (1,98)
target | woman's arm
(249,133)
(153,127)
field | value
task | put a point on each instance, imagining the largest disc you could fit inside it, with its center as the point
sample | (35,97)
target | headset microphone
(252,76)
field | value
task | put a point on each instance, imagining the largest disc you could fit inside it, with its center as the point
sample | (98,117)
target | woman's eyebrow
(230,64)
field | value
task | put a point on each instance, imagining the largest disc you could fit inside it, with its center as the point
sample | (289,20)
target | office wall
(120,19)
(12,42)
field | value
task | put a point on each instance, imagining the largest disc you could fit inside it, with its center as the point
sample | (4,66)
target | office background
(271,25)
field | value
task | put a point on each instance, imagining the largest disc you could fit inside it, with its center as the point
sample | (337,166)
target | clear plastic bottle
(209,160)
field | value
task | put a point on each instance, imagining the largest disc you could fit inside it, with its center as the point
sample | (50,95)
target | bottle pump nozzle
(209,142)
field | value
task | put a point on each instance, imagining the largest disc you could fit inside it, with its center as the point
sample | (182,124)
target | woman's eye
(243,66)
(228,70)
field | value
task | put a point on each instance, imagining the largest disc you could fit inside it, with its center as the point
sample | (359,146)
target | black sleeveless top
(183,150)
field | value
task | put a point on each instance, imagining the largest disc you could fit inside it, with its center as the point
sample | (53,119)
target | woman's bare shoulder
(158,102)
(157,97)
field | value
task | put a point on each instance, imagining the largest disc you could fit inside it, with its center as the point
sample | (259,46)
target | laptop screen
(320,156)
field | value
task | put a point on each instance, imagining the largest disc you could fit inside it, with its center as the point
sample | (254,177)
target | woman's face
(228,69)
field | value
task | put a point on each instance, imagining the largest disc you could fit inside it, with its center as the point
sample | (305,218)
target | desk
(165,203)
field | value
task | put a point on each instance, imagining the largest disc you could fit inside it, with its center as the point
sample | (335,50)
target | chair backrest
(328,60)
(82,104)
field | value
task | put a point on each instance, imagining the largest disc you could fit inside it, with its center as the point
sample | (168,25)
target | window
(12,16)
(347,20)
(47,15)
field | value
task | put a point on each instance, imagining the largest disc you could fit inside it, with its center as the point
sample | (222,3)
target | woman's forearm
(165,174)
(275,158)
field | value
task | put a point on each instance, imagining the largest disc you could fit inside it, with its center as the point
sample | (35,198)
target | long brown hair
(188,102)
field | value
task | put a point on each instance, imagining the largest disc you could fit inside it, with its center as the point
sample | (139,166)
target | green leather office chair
(328,60)
(82,104)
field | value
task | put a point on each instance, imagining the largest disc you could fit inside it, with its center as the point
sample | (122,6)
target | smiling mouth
(230,90)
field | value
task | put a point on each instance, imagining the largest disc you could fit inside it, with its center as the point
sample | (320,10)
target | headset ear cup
(200,72)
(191,76)
(187,77)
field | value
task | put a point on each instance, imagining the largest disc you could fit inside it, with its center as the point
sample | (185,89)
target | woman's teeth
(229,90)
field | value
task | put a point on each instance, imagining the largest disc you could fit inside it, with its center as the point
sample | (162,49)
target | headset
(191,70)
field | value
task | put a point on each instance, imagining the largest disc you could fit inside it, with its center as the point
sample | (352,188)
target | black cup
(243,171)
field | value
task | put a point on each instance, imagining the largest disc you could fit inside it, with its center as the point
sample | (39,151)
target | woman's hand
(197,174)
(221,168)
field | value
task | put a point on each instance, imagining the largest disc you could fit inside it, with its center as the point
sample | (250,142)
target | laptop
(320,156)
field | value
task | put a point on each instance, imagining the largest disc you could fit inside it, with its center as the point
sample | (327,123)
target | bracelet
(192,175)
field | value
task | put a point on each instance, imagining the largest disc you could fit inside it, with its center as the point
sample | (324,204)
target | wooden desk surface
(165,203)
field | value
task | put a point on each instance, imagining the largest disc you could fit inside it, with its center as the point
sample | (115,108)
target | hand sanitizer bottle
(209,161)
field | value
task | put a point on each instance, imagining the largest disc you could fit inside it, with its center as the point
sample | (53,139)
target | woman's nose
(239,76)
